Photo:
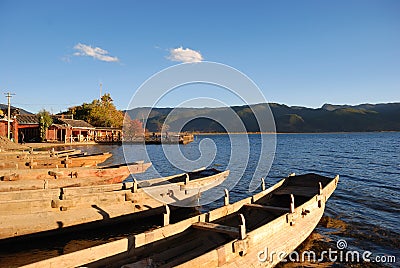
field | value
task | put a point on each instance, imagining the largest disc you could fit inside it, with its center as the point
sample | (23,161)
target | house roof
(4,107)
(59,126)
(76,123)
(27,119)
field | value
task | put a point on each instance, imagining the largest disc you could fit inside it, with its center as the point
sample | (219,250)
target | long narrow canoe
(38,154)
(75,172)
(54,162)
(236,235)
(70,207)
(36,179)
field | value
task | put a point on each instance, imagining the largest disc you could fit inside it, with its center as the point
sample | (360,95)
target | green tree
(99,113)
(81,111)
(45,121)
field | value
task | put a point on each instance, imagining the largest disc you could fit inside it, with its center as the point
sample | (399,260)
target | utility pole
(8,96)
(101,86)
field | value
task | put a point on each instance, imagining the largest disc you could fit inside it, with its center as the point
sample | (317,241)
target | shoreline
(291,133)
(44,145)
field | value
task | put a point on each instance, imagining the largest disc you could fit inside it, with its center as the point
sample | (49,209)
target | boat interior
(194,175)
(203,237)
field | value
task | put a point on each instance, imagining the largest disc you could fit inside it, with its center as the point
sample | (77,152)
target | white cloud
(184,55)
(95,52)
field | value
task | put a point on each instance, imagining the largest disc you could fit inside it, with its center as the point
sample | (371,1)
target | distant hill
(295,119)
(4,107)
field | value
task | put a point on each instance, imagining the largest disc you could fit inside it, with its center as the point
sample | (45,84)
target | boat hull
(55,162)
(73,173)
(212,240)
(183,193)
(13,156)
(71,207)
(269,244)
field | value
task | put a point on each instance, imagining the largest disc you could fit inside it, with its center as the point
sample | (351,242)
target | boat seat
(268,208)
(219,228)
(299,191)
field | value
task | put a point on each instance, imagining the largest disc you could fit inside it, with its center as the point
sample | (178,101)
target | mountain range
(288,119)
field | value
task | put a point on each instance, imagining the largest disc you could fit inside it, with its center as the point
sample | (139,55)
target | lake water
(364,210)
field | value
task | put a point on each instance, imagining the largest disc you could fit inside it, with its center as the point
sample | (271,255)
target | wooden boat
(241,234)
(31,212)
(122,170)
(54,162)
(37,154)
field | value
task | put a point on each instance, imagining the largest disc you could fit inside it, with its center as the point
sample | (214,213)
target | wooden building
(3,127)
(28,124)
(3,124)
(108,134)
(13,123)
(64,128)
(70,130)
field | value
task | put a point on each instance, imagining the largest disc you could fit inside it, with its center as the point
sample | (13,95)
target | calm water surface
(364,210)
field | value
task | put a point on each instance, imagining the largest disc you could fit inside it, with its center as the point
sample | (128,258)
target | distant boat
(162,139)
(242,234)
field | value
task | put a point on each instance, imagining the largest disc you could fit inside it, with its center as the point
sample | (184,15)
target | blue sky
(303,53)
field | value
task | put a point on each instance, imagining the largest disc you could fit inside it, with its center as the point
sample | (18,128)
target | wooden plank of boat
(195,177)
(33,189)
(185,245)
(71,210)
(21,185)
(38,154)
(268,208)
(183,185)
(76,172)
(51,162)
(232,231)
(30,194)
(79,197)
(176,192)
(173,178)
(42,223)
(49,182)
(51,194)
(78,191)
